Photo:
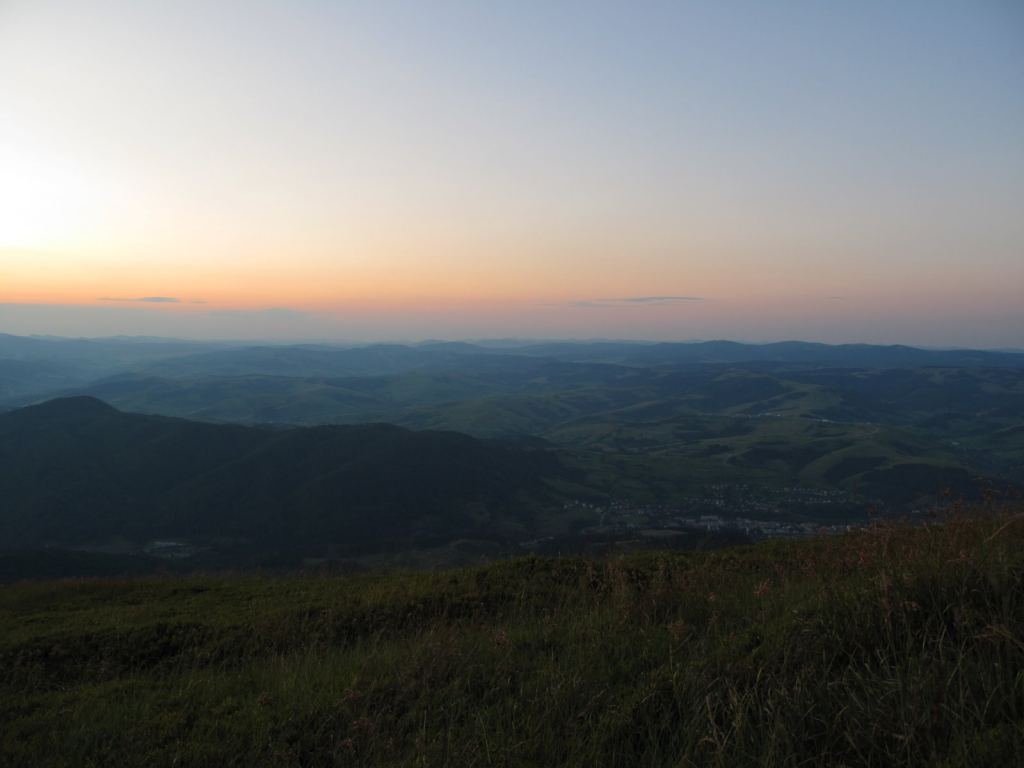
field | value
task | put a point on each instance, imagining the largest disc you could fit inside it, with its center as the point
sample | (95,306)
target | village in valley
(722,512)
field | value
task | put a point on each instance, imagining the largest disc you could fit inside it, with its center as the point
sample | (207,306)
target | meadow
(892,645)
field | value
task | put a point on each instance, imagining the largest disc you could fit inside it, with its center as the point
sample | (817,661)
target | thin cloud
(145,299)
(628,301)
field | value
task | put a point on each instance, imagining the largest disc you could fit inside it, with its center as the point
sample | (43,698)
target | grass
(896,645)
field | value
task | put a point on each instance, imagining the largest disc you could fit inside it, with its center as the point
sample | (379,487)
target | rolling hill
(637,423)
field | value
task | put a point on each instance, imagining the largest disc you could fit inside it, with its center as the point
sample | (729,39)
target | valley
(442,454)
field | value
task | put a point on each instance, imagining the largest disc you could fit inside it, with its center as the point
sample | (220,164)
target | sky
(840,172)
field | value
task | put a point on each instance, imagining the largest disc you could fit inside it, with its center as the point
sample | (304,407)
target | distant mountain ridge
(797,352)
(379,359)
(32,369)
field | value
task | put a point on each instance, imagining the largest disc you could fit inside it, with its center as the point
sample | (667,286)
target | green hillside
(890,646)
(891,438)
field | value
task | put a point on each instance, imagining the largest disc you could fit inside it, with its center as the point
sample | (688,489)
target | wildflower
(763,588)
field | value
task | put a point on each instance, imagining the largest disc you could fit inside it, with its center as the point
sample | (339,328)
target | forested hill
(76,470)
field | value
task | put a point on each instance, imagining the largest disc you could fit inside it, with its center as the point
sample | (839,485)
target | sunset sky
(664,170)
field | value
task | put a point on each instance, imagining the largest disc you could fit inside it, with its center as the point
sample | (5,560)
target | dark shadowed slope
(77,470)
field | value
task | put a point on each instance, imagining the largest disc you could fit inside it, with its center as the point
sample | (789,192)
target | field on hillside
(892,645)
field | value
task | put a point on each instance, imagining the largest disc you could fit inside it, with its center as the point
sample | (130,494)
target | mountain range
(316,451)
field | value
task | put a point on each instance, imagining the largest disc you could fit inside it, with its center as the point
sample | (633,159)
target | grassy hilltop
(893,645)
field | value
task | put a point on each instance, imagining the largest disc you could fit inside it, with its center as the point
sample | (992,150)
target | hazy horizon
(284,326)
(484,341)
(667,171)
